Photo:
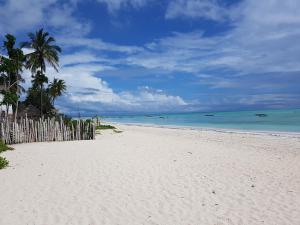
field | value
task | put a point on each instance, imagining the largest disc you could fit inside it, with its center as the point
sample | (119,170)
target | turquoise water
(266,120)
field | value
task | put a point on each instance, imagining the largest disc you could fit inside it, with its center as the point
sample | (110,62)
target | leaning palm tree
(44,51)
(56,89)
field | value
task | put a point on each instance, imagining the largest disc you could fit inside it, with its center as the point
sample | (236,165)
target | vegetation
(13,61)
(45,51)
(56,89)
(100,127)
(4,147)
(105,127)
(3,161)
(10,69)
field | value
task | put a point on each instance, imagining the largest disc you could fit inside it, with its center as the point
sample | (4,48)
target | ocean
(262,120)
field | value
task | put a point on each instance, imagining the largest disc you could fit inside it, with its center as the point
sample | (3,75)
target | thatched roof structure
(30,110)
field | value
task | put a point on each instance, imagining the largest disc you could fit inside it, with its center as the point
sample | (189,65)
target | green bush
(3,162)
(4,147)
(104,127)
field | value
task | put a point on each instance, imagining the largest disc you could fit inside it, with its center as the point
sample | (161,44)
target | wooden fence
(42,130)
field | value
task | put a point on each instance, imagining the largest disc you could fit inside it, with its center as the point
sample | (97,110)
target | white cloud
(260,42)
(79,57)
(188,52)
(115,5)
(148,97)
(16,15)
(24,15)
(85,87)
(207,9)
(61,17)
(96,44)
(273,100)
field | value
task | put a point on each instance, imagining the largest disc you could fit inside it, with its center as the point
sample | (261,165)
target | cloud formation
(24,15)
(256,58)
(86,87)
(264,39)
(206,9)
(115,5)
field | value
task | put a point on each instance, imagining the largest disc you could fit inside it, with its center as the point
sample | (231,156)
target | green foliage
(34,98)
(9,97)
(10,68)
(6,66)
(12,62)
(105,127)
(45,51)
(56,88)
(3,162)
(4,147)
(39,79)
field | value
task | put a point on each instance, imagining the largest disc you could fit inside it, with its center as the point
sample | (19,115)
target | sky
(153,56)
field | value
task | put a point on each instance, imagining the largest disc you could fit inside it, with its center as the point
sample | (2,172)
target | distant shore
(151,175)
(222,130)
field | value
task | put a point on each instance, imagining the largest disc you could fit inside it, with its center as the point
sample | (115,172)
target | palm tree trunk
(17,103)
(41,100)
(16,112)
(7,109)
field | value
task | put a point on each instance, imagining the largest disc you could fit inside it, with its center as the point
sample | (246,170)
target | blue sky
(145,56)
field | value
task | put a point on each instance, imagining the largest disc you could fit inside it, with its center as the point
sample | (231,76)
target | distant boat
(261,115)
(209,115)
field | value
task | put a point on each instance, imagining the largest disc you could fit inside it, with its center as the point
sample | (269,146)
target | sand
(148,175)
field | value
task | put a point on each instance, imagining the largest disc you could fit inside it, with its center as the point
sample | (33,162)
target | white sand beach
(154,176)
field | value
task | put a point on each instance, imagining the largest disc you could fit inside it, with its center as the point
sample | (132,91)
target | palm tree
(57,88)
(13,67)
(38,83)
(39,80)
(44,51)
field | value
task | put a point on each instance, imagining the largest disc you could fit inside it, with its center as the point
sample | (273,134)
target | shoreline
(220,130)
